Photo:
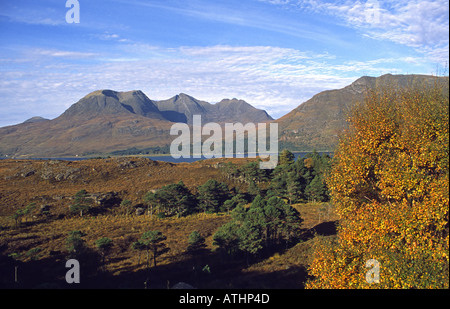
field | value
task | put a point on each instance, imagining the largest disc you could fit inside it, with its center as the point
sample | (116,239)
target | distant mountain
(182,107)
(35,119)
(238,110)
(107,121)
(111,103)
(317,123)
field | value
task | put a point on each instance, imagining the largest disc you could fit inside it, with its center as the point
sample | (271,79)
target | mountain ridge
(317,123)
(105,121)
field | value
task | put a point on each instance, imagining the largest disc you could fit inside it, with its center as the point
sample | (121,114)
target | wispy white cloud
(61,53)
(218,12)
(421,24)
(273,78)
(32,15)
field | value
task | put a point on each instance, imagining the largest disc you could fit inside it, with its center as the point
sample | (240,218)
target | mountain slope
(105,121)
(109,102)
(182,107)
(35,119)
(317,123)
(100,122)
(240,111)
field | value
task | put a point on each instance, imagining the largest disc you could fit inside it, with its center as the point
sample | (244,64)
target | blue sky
(275,54)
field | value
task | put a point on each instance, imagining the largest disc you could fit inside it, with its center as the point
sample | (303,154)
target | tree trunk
(154,257)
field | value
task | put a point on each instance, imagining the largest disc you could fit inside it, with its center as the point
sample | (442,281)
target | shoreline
(173,160)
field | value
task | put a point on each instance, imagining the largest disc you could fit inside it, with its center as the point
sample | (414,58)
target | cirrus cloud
(272,78)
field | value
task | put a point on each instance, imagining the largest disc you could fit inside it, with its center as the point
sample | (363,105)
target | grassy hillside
(37,241)
(319,122)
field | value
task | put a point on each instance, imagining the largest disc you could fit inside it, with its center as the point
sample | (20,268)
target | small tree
(17,216)
(230,204)
(126,207)
(75,245)
(104,245)
(151,241)
(33,254)
(286,157)
(28,211)
(226,238)
(316,189)
(24,212)
(151,200)
(77,249)
(173,199)
(82,203)
(212,195)
(196,242)
(250,239)
(139,246)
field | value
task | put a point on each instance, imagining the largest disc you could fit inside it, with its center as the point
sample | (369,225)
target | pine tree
(196,242)
(75,244)
(230,204)
(82,203)
(253,188)
(174,199)
(294,187)
(226,238)
(279,180)
(250,239)
(212,195)
(104,245)
(286,157)
(150,241)
(316,189)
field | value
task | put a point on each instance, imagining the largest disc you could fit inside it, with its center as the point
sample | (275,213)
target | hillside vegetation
(390,185)
(376,215)
(318,122)
(134,220)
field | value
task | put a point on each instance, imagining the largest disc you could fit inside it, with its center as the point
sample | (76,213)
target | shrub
(389,183)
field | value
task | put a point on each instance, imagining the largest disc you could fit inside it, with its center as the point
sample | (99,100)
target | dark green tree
(75,244)
(104,245)
(196,243)
(230,204)
(251,171)
(212,195)
(279,180)
(253,188)
(286,157)
(226,238)
(294,187)
(264,224)
(291,222)
(152,202)
(77,249)
(173,199)
(126,207)
(150,241)
(316,189)
(250,238)
(82,203)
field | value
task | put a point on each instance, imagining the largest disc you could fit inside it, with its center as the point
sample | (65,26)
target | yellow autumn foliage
(389,183)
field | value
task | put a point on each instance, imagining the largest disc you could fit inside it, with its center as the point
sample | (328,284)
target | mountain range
(317,123)
(107,121)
